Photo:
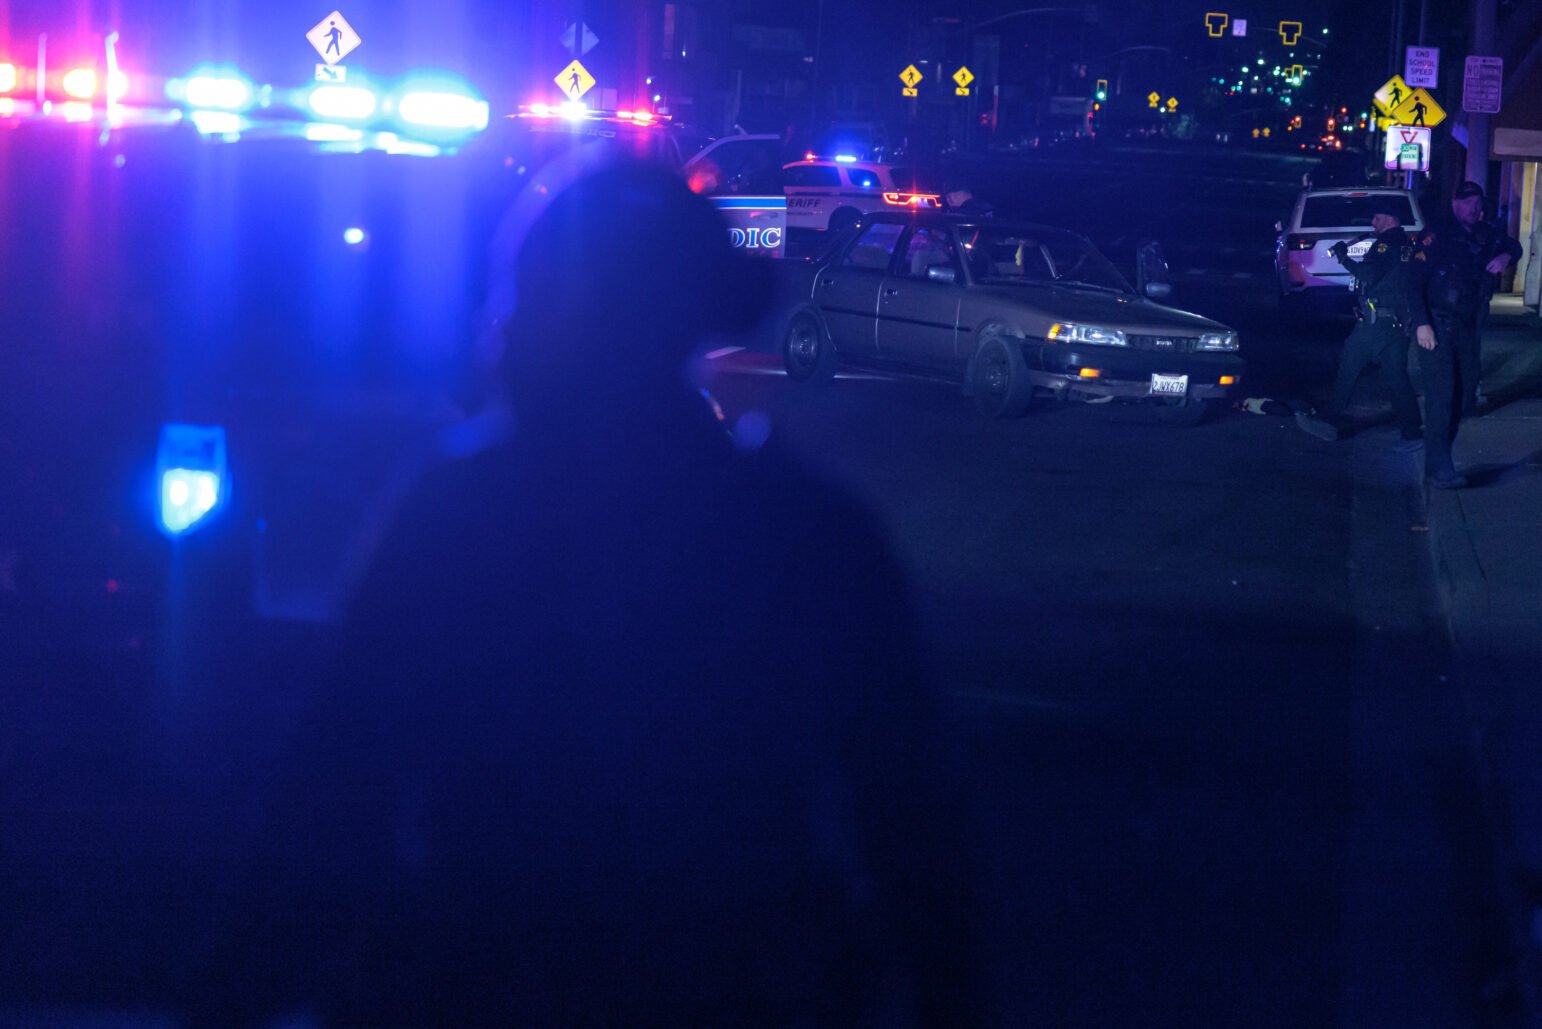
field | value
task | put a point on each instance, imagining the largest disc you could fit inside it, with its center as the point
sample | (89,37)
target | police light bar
(8,77)
(845,159)
(79,83)
(218,92)
(443,110)
(346,103)
(191,473)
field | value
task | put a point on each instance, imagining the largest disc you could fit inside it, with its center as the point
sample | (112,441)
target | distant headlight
(1218,341)
(1065,332)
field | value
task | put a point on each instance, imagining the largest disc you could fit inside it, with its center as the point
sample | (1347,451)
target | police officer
(1465,253)
(1390,307)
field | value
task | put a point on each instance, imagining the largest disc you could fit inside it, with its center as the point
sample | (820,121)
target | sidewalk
(1487,543)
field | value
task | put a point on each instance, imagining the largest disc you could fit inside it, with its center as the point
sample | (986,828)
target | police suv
(833,194)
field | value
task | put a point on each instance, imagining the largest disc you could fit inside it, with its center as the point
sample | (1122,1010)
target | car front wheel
(999,378)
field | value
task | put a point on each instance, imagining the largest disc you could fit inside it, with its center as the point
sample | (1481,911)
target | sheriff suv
(834,194)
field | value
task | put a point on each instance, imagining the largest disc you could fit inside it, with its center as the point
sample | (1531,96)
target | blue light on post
(190,476)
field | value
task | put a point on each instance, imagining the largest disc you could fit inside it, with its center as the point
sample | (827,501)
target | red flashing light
(912,199)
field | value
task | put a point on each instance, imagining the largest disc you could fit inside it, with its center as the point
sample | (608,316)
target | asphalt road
(1196,674)
(1195,682)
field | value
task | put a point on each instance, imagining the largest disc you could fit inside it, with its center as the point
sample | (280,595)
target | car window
(1006,254)
(818,176)
(1343,211)
(862,178)
(874,247)
(928,248)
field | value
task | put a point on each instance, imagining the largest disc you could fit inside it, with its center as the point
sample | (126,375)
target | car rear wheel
(806,350)
(999,377)
(844,218)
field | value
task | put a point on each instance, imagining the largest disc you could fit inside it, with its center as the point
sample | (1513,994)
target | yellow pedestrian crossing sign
(574,80)
(1153,98)
(1419,108)
(1172,103)
(963,77)
(911,76)
(1391,93)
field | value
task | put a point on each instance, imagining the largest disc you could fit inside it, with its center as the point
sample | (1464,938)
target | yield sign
(1391,93)
(1418,108)
(910,76)
(333,38)
(574,80)
(1408,148)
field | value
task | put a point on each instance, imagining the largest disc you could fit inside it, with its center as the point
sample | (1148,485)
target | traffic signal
(1102,91)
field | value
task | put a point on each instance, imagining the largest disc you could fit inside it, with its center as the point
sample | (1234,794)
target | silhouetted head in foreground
(620,274)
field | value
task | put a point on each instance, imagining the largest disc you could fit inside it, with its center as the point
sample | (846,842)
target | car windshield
(1351,211)
(1020,256)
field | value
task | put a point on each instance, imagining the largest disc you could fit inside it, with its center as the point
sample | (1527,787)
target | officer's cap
(1468,189)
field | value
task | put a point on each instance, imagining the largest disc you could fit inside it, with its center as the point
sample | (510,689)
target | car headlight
(1218,341)
(1065,332)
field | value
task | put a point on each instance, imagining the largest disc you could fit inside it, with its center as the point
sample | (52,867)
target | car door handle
(827,282)
(891,291)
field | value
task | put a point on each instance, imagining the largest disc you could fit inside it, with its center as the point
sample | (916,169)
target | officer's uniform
(1457,289)
(1389,309)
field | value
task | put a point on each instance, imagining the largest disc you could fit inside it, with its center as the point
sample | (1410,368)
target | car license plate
(1360,249)
(1169,385)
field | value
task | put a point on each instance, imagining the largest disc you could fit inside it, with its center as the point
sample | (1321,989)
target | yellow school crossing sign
(574,80)
(911,77)
(1418,108)
(1391,93)
(962,78)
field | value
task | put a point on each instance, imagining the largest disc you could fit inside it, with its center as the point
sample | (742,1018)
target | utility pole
(1484,16)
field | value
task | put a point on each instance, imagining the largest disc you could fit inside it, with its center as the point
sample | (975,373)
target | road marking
(713,355)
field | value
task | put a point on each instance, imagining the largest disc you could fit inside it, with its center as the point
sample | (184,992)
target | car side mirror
(1151,268)
(937,273)
(1158,290)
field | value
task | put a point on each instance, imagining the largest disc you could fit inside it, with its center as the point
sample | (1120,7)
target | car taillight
(1299,242)
(912,199)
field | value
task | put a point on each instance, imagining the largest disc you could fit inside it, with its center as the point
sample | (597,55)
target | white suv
(833,194)
(1309,275)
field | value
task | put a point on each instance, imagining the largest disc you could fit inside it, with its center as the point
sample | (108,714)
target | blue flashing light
(191,464)
(443,110)
(321,132)
(845,159)
(218,92)
(344,103)
(353,235)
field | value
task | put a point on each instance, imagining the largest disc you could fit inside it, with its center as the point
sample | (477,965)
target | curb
(1460,583)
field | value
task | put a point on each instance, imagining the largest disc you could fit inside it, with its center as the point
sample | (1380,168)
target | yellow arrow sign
(963,77)
(574,80)
(1419,108)
(1390,94)
(1153,98)
(911,76)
